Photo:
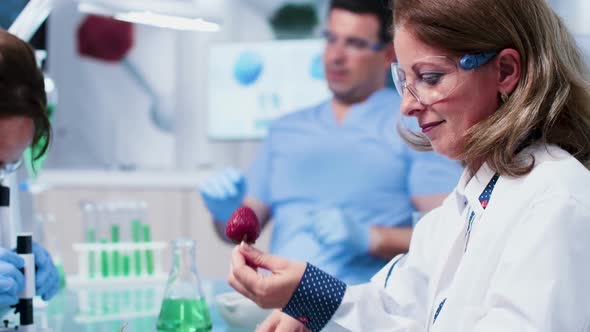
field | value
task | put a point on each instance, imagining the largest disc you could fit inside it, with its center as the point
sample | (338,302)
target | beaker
(184,308)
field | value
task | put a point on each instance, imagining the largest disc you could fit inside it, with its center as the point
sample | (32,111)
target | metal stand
(24,247)
(6,231)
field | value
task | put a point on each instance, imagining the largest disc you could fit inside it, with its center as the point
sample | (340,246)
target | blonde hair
(550,105)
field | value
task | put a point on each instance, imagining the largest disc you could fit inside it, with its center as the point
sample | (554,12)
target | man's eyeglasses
(434,78)
(9,168)
(353,44)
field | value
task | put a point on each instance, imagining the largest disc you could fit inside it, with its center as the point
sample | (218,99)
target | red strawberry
(243,225)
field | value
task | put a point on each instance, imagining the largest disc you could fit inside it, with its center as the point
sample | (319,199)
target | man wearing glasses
(337,179)
(23,122)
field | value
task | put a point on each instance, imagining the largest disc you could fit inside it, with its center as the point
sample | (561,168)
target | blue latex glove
(12,281)
(46,274)
(341,235)
(223,193)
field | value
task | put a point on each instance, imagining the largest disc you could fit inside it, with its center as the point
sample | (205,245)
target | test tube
(126,265)
(50,240)
(114,212)
(125,219)
(103,217)
(89,216)
(147,238)
(137,238)
(149,255)
(104,261)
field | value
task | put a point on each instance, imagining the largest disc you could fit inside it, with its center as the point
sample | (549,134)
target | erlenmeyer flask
(184,308)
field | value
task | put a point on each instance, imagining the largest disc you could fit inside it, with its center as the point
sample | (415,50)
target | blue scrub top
(310,162)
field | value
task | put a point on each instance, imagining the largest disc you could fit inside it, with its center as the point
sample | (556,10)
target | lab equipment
(119,267)
(25,249)
(49,242)
(117,243)
(130,265)
(6,227)
(29,20)
(118,302)
(184,308)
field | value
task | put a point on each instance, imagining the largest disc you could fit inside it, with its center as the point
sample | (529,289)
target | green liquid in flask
(184,315)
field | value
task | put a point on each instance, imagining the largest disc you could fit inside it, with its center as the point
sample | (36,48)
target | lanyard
(484,199)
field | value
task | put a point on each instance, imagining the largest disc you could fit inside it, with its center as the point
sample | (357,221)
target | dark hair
(379,8)
(22,88)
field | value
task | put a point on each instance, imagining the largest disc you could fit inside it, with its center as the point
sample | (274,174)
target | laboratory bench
(134,307)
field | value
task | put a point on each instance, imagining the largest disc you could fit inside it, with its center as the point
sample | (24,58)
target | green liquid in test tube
(116,255)
(136,234)
(149,255)
(104,261)
(91,238)
(62,275)
(126,265)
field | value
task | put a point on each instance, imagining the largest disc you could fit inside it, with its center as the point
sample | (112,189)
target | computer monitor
(251,84)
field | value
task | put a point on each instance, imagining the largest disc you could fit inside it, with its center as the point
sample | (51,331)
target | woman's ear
(508,62)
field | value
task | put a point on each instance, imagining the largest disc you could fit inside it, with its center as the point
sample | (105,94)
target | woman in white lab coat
(501,86)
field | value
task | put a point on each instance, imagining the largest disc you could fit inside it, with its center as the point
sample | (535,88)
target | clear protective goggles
(9,168)
(434,78)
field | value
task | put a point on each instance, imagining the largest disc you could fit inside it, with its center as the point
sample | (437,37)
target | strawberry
(243,225)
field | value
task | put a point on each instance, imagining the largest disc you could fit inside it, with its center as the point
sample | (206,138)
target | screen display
(250,84)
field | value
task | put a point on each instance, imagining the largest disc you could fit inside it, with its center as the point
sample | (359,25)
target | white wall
(574,13)
(103,116)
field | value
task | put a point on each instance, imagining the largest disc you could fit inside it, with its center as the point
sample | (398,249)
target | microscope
(24,248)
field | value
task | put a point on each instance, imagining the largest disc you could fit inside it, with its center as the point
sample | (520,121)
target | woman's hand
(279,321)
(267,290)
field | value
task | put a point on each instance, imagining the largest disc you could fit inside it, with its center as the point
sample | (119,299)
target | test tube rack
(125,262)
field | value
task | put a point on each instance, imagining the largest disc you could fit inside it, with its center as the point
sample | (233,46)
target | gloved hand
(340,235)
(12,281)
(223,193)
(46,274)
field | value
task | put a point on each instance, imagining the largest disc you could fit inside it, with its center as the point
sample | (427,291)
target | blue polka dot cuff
(316,299)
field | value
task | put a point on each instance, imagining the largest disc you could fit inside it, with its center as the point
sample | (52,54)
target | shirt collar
(470,188)
(379,100)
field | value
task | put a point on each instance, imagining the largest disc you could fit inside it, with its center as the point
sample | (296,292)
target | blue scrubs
(310,162)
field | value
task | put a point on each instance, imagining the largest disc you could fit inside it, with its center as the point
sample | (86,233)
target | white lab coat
(526,267)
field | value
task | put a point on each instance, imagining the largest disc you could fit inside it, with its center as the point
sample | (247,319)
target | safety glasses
(433,78)
(9,168)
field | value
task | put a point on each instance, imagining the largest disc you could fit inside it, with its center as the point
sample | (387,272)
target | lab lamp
(184,15)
